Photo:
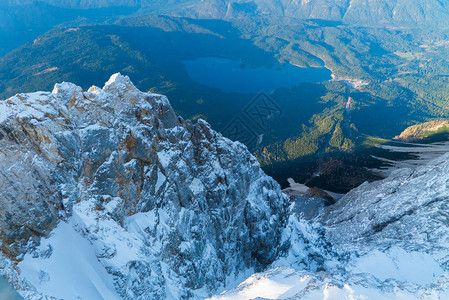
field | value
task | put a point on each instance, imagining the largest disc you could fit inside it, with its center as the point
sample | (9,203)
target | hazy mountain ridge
(24,22)
(75,4)
(352,12)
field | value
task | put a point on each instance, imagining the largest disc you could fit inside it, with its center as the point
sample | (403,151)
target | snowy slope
(384,240)
(67,257)
(373,277)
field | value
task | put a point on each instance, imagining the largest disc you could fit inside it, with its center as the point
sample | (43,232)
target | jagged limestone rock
(171,209)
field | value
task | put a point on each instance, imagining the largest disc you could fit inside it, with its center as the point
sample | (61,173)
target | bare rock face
(171,209)
(408,209)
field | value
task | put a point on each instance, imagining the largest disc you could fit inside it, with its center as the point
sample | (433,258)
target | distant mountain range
(433,13)
(355,12)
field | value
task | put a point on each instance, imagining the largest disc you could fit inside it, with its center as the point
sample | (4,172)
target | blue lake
(231,76)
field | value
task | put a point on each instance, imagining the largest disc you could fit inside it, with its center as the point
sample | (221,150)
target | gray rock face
(408,209)
(170,208)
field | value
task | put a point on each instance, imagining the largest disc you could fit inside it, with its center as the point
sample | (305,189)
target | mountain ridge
(376,13)
(154,199)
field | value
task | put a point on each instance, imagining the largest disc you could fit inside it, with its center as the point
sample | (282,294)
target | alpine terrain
(107,194)
(384,240)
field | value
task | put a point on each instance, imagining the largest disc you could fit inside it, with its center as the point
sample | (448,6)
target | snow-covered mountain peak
(119,83)
(118,78)
(166,208)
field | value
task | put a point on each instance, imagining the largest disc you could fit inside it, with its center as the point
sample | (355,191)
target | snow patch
(5,112)
(160,180)
(396,263)
(71,270)
(196,186)
(140,221)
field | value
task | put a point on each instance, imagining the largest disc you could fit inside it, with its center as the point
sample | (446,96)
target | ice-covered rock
(383,240)
(113,181)
(408,209)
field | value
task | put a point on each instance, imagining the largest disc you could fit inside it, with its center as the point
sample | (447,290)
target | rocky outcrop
(424,131)
(171,209)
